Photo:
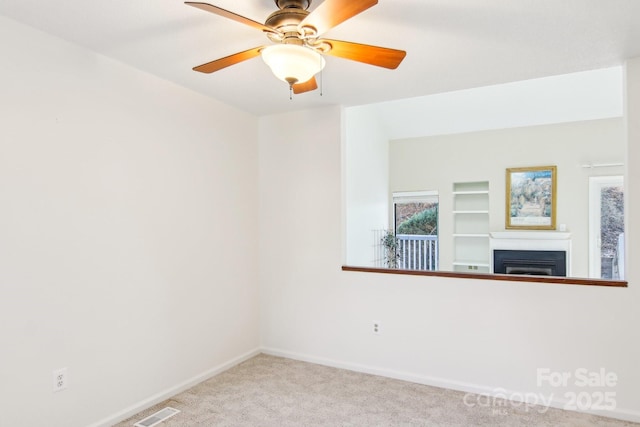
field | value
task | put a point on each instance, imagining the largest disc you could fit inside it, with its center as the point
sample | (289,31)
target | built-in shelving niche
(471,227)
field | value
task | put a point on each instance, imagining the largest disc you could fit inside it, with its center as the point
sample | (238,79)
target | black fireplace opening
(537,263)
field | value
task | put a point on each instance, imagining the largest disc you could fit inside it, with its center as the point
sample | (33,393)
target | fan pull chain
(321,71)
(290,92)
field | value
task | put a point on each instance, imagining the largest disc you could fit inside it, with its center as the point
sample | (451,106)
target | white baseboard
(618,413)
(172,391)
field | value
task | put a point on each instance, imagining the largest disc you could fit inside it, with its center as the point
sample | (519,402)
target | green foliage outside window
(423,223)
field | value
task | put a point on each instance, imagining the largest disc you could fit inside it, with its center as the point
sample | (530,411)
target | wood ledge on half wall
(490,276)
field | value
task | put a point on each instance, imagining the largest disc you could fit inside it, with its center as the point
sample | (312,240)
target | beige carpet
(273,391)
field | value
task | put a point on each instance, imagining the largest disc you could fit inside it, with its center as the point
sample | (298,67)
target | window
(606,227)
(415,218)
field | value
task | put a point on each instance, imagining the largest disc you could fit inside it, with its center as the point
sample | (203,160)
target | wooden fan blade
(333,12)
(307,86)
(221,63)
(222,12)
(373,55)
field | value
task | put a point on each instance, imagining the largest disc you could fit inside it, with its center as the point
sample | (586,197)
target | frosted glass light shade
(292,63)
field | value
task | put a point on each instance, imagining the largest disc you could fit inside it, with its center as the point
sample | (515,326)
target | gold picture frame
(531,198)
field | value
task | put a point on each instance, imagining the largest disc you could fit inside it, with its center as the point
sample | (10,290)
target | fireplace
(537,263)
(545,253)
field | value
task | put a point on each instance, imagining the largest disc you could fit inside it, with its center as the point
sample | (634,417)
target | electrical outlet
(376,327)
(60,379)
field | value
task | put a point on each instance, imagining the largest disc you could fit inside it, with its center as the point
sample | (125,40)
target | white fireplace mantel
(530,235)
(532,241)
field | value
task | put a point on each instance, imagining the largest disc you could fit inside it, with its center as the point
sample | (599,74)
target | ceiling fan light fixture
(293,63)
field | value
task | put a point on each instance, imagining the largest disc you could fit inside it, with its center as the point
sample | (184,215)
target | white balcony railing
(418,252)
(415,252)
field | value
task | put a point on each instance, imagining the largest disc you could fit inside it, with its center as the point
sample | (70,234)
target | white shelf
(462,193)
(472,263)
(471,212)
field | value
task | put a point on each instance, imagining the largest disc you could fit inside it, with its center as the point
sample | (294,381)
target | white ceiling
(450,44)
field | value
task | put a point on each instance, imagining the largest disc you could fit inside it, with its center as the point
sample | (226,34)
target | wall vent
(157,418)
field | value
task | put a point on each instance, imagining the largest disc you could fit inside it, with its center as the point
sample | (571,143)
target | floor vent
(157,418)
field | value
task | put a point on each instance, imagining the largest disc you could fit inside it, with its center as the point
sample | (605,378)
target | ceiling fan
(296,54)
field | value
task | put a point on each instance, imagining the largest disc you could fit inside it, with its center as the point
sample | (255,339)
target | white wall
(436,162)
(467,334)
(366,172)
(632,204)
(127,234)
(587,95)
(300,218)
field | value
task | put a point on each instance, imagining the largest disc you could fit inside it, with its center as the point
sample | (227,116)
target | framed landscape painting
(531,198)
